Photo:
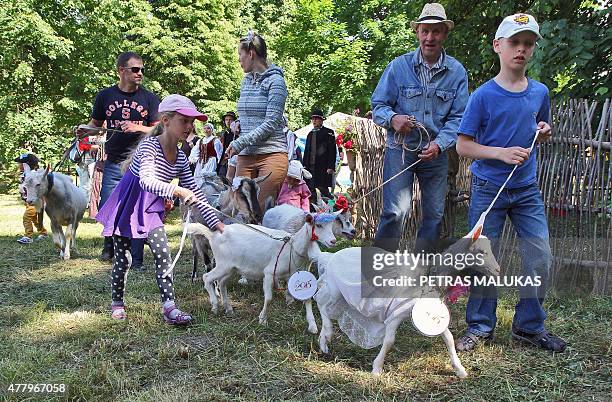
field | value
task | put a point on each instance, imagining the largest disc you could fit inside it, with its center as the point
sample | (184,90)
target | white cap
(297,171)
(516,23)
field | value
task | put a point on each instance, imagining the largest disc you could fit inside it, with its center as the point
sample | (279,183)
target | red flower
(339,140)
(348,144)
(341,203)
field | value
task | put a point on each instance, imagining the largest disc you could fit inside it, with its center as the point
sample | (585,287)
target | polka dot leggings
(158,243)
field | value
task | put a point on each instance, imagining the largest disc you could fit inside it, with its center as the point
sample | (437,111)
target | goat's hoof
(215,310)
(461,373)
(324,348)
(229,312)
(313,329)
(263,321)
(377,371)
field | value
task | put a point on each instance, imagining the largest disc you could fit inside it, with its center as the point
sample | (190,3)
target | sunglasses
(135,70)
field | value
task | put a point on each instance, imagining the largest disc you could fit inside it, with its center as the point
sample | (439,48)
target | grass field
(55,328)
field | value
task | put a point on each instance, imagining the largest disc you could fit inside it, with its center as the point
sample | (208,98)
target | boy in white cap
(497,130)
(294,190)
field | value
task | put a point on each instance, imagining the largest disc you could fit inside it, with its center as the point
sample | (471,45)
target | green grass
(55,328)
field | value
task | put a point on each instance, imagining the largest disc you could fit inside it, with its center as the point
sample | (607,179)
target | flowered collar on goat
(324,217)
(321,218)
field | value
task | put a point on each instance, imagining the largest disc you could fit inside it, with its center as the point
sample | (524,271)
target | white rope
(399,139)
(183,236)
(483,216)
(386,181)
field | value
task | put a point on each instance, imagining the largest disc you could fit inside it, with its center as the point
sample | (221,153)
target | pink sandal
(118,312)
(180,319)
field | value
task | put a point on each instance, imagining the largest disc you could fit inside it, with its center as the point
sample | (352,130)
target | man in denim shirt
(430,87)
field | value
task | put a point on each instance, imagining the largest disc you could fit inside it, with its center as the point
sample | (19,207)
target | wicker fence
(575,175)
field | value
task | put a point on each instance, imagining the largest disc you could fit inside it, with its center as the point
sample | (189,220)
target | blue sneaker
(25,240)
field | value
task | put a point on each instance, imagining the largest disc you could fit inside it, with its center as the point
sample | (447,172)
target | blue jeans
(397,198)
(525,209)
(111,176)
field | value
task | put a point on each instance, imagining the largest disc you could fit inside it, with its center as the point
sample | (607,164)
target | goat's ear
(47,170)
(225,180)
(262,178)
(309,218)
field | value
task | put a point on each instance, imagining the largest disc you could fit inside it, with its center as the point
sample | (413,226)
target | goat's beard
(38,205)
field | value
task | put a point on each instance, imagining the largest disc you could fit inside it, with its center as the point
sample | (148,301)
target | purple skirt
(131,211)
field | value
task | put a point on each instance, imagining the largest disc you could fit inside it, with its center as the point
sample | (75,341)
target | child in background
(232,161)
(206,155)
(135,209)
(31,218)
(294,190)
(497,129)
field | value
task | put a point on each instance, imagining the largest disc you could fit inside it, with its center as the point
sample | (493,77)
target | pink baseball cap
(181,104)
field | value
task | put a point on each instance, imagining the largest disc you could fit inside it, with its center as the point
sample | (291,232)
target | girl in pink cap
(294,190)
(135,209)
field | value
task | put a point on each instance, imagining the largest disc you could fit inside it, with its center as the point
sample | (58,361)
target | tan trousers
(31,217)
(254,166)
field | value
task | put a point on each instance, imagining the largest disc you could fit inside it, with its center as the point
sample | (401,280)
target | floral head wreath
(341,203)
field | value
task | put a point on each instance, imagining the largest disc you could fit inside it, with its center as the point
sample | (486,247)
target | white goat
(240,203)
(64,203)
(289,218)
(257,256)
(369,318)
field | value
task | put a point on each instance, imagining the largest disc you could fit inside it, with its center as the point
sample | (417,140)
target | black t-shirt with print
(114,106)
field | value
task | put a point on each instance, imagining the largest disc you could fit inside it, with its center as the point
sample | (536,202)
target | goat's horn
(262,178)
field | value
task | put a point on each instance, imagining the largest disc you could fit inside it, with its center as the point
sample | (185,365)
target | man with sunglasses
(131,110)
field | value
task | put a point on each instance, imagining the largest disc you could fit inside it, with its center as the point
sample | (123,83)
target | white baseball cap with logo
(516,23)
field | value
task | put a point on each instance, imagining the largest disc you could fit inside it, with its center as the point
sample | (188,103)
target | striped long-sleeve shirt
(261,107)
(156,172)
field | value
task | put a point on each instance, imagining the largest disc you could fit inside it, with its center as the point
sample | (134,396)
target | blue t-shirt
(496,117)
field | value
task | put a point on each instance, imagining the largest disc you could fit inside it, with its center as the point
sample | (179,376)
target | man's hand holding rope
(402,124)
(430,152)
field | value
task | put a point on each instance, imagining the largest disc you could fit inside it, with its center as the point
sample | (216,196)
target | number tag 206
(302,285)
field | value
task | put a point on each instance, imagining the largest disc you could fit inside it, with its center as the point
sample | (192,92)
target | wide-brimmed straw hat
(433,13)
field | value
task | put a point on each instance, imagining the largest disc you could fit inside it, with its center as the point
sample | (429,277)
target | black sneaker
(469,341)
(106,255)
(544,340)
(138,267)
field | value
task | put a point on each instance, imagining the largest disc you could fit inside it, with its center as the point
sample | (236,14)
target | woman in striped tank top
(136,207)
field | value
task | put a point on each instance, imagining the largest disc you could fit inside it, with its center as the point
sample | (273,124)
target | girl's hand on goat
(220,227)
(513,155)
(186,195)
